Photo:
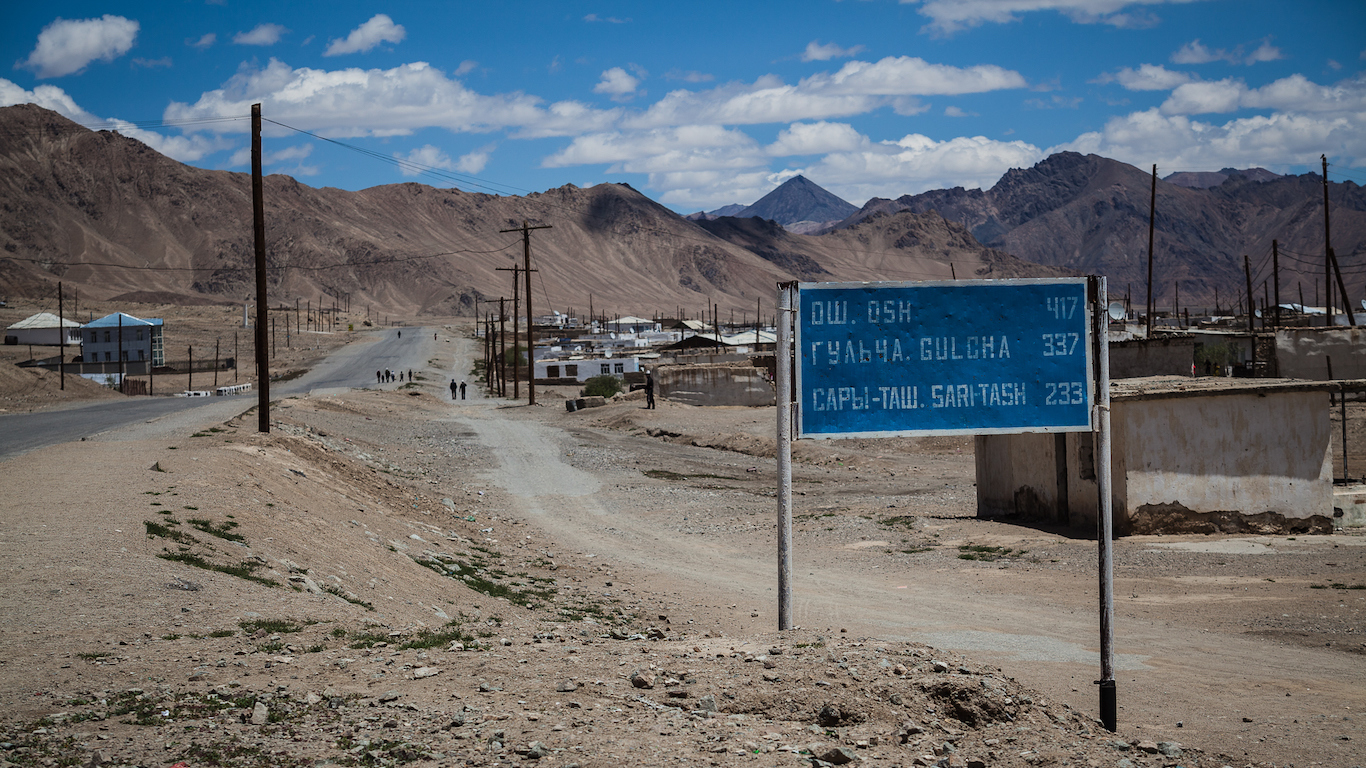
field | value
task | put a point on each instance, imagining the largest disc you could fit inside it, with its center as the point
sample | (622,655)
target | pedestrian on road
(400,334)
(462,390)
(410,374)
(379,377)
(454,388)
(649,390)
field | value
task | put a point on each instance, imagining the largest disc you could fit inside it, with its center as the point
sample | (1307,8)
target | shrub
(601,386)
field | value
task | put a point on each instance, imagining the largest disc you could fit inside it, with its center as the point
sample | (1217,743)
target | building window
(571,370)
(106,337)
(139,334)
(94,337)
(107,357)
(141,355)
(619,368)
(552,371)
(606,368)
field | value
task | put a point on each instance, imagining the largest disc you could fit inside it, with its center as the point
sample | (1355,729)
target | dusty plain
(393,578)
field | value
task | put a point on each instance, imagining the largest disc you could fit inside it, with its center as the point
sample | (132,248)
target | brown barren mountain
(1090,214)
(109,215)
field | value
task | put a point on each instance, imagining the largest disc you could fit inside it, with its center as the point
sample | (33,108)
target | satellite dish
(612,335)
(607,353)
(1363,303)
(1116,310)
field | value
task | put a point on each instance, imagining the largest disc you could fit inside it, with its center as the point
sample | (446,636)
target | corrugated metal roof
(43,320)
(112,321)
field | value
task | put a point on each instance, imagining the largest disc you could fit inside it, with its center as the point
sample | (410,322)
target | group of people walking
(457,389)
(385,376)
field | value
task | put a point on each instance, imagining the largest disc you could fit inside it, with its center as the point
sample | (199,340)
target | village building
(43,329)
(1187,456)
(138,340)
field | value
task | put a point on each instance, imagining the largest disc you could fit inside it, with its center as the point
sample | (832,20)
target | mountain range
(105,212)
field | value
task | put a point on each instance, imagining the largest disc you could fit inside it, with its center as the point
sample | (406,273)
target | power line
(278,268)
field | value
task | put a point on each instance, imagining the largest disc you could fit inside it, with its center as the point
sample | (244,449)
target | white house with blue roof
(138,340)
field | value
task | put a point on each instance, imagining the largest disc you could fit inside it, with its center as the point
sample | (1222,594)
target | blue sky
(703,104)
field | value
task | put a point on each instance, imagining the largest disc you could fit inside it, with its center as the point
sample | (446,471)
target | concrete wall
(1302,353)
(715,384)
(1151,357)
(1234,462)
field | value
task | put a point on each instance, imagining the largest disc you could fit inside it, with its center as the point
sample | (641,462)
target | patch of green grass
(368,639)
(907,521)
(223,633)
(242,571)
(192,509)
(223,531)
(274,646)
(332,589)
(664,474)
(92,656)
(156,529)
(986,553)
(437,638)
(916,550)
(272,626)
(170,637)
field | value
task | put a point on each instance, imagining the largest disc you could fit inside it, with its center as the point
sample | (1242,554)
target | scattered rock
(643,679)
(260,714)
(422,672)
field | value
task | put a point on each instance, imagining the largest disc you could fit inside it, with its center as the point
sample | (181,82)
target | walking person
(649,390)
(379,377)
(454,389)
(462,390)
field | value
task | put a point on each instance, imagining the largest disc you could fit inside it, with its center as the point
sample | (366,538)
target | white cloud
(1196,52)
(916,163)
(688,76)
(952,111)
(816,139)
(1295,94)
(817,52)
(206,41)
(1148,77)
(428,156)
(948,16)
(263,34)
(67,46)
(382,102)
(593,17)
(681,148)
(618,84)
(1278,140)
(379,29)
(467,66)
(857,87)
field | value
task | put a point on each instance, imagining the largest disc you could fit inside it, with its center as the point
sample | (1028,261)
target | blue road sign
(943,358)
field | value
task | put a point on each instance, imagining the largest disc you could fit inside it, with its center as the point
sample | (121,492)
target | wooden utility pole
(258,216)
(120,358)
(502,350)
(61,336)
(1251,304)
(530,334)
(190,385)
(215,363)
(1327,245)
(1152,220)
(516,331)
(1276,277)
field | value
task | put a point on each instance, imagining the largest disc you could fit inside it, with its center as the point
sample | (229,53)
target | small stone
(1147,746)
(422,672)
(567,686)
(940,666)
(1169,748)
(536,750)
(642,679)
(707,703)
(838,756)
(260,714)
(98,758)
(829,716)
(389,696)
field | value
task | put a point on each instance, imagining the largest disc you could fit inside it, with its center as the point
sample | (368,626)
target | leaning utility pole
(1327,246)
(525,229)
(1152,219)
(258,216)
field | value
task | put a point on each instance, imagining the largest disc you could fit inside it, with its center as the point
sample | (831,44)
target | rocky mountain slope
(1090,214)
(109,215)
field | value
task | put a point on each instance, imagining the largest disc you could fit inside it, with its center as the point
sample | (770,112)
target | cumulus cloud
(957,112)
(1148,77)
(183,148)
(206,41)
(263,34)
(428,157)
(688,76)
(382,102)
(1293,94)
(379,29)
(949,16)
(593,17)
(618,84)
(915,163)
(67,46)
(680,148)
(857,87)
(817,52)
(816,139)
(1176,141)
(1196,52)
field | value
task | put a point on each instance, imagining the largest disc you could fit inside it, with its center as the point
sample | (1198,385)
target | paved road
(352,366)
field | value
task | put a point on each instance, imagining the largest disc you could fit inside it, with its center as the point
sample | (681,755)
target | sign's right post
(1105,505)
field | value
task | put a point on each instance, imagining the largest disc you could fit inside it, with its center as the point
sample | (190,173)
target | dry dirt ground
(391,578)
